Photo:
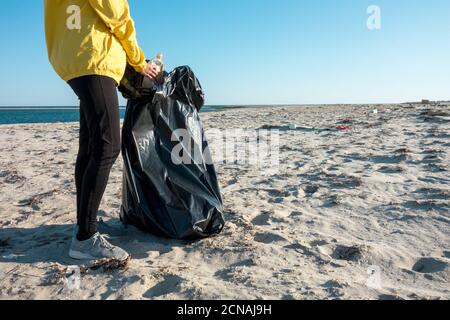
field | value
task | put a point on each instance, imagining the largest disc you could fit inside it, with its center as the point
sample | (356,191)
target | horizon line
(75,107)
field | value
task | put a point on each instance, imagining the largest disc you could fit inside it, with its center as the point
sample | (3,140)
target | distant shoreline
(70,114)
(237,106)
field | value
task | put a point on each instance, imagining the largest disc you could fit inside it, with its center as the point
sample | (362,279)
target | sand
(357,213)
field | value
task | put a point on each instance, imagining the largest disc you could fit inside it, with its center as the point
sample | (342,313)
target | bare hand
(151,71)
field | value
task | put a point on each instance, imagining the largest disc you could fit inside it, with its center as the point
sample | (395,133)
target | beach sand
(362,213)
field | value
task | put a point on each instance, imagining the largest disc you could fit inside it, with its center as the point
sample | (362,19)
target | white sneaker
(96,248)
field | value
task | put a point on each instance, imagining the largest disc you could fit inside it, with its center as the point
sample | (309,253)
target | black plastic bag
(160,196)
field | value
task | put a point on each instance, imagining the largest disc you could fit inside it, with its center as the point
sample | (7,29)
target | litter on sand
(343,128)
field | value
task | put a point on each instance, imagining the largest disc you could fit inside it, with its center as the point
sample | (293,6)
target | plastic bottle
(158,62)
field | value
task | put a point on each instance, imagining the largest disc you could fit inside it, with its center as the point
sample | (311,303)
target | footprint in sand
(262,220)
(344,181)
(427,205)
(170,284)
(11,177)
(228,273)
(430,265)
(432,159)
(387,297)
(389,159)
(433,193)
(391,169)
(311,189)
(268,238)
(277,196)
(275,193)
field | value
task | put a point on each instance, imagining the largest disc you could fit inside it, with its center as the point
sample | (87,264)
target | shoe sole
(82,256)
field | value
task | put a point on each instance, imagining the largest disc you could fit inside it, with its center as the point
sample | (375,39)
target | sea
(44,114)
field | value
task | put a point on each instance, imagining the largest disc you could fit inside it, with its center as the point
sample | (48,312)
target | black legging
(99,146)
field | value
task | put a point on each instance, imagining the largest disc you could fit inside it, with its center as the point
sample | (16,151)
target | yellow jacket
(91,37)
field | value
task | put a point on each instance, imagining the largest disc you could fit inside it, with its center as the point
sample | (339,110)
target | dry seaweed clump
(60,273)
(348,253)
(110,265)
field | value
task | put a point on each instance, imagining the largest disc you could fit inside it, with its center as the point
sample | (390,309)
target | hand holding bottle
(155,69)
(159,64)
(151,71)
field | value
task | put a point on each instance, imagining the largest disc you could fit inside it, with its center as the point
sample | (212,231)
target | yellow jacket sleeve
(116,15)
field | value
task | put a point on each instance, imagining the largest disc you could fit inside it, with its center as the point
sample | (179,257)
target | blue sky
(259,51)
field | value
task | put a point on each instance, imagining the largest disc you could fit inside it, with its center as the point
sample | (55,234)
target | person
(89,45)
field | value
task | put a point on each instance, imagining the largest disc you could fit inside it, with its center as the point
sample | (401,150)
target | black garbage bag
(170,198)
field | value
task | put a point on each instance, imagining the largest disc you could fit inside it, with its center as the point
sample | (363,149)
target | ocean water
(22,115)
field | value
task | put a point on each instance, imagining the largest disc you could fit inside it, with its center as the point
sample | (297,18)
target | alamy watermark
(255,148)
(374,19)
(73,21)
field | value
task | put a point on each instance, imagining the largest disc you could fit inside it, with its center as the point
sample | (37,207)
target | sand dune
(359,211)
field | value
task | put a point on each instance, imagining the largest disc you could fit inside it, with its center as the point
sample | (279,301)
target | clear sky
(259,51)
